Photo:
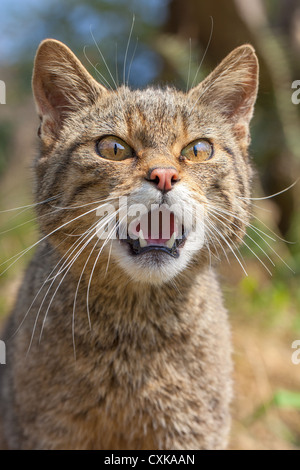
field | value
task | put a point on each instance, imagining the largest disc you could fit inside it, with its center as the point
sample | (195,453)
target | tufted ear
(61,85)
(232,89)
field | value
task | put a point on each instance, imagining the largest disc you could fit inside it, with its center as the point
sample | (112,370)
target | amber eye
(113,148)
(198,151)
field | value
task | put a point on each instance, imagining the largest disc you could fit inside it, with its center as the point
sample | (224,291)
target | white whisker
(75,298)
(49,288)
(271,195)
(30,206)
(102,57)
(230,247)
(108,260)
(205,52)
(126,51)
(131,61)
(23,252)
(96,261)
(257,230)
(49,278)
(102,78)
(105,221)
(86,204)
(249,248)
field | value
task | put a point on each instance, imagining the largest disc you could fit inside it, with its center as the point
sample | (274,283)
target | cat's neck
(109,292)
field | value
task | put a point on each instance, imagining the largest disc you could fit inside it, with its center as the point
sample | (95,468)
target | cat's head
(158,180)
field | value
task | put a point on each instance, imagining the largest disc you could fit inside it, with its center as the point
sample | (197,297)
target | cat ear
(61,85)
(232,89)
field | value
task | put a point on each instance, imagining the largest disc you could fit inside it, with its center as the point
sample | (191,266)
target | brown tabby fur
(153,370)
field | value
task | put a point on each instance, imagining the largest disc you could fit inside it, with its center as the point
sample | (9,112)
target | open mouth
(158,230)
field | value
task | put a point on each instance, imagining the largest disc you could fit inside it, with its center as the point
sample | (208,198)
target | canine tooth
(142,240)
(170,242)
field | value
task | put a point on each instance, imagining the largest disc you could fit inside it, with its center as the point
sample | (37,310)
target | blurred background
(179,42)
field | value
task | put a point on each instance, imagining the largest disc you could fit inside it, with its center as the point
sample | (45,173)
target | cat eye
(198,151)
(113,148)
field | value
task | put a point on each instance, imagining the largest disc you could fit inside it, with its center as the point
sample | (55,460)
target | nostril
(156,180)
(174,178)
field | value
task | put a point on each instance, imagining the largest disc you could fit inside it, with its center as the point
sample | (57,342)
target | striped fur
(123,352)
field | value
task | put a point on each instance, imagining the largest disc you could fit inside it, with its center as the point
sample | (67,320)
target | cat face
(157,179)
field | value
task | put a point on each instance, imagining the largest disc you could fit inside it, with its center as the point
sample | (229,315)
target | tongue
(158,226)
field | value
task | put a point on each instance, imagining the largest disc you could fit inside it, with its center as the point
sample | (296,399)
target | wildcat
(123,342)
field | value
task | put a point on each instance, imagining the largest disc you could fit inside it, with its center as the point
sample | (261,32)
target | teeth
(171,242)
(142,240)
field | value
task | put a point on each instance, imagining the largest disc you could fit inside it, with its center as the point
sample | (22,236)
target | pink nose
(164,178)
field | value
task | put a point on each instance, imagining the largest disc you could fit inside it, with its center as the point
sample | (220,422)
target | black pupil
(195,150)
(115,149)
